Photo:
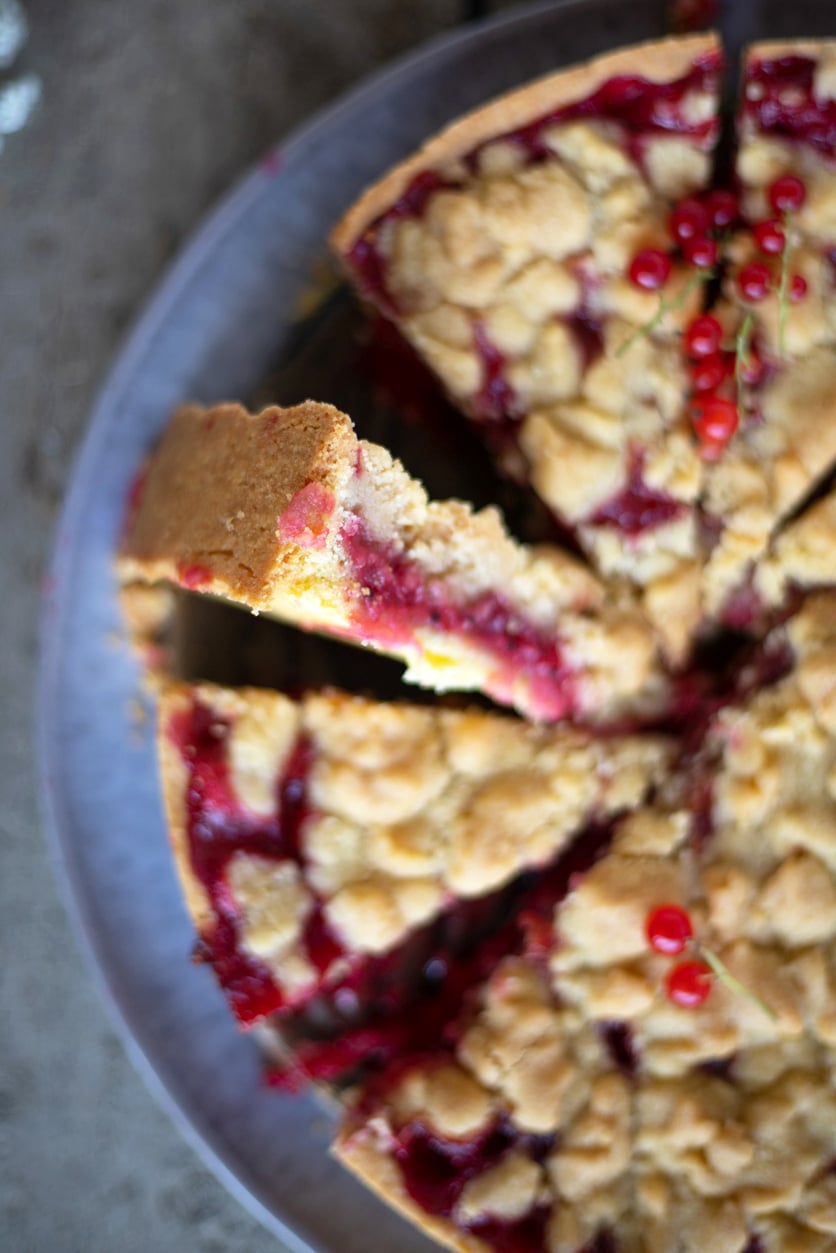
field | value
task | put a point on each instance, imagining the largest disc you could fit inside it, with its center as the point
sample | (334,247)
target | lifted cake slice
(288,513)
(314,838)
(520,251)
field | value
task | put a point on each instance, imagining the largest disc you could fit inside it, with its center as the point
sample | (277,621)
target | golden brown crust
(173,775)
(660,61)
(772,49)
(217,484)
(376,1168)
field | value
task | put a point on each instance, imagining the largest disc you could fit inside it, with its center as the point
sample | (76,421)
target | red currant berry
(770,238)
(754,281)
(722,208)
(668,929)
(650,269)
(708,374)
(689,220)
(688,984)
(703,337)
(701,252)
(787,193)
(715,421)
(797,288)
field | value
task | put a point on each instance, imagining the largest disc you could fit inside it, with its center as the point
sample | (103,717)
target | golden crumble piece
(451,1101)
(508,1190)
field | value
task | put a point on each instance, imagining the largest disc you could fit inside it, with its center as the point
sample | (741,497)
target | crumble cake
(519,252)
(583,989)
(605,1094)
(288,513)
(314,835)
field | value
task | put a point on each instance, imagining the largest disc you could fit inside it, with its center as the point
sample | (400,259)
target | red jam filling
(637,508)
(495,402)
(436,1171)
(785,103)
(193,576)
(218,826)
(495,398)
(638,107)
(305,520)
(528,1234)
(744,608)
(416,998)
(621,1046)
(588,333)
(396,598)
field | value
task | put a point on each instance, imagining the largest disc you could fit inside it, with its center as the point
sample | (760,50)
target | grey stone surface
(151,109)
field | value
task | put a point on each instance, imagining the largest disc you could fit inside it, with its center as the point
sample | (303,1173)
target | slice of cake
(656,1073)
(314,837)
(780,314)
(521,251)
(288,513)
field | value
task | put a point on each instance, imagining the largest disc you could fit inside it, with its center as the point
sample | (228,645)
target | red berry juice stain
(218,827)
(780,99)
(397,598)
(637,508)
(305,520)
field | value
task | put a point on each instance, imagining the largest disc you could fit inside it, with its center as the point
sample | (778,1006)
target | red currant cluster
(717,374)
(714,417)
(786,195)
(694,225)
(669,931)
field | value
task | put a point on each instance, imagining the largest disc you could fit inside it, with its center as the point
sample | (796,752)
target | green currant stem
(741,355)
(783,285)
(725,976)
(665,306)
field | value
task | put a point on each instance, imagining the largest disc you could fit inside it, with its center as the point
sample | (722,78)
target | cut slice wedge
(501,250)
(314,836)
(288,513)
